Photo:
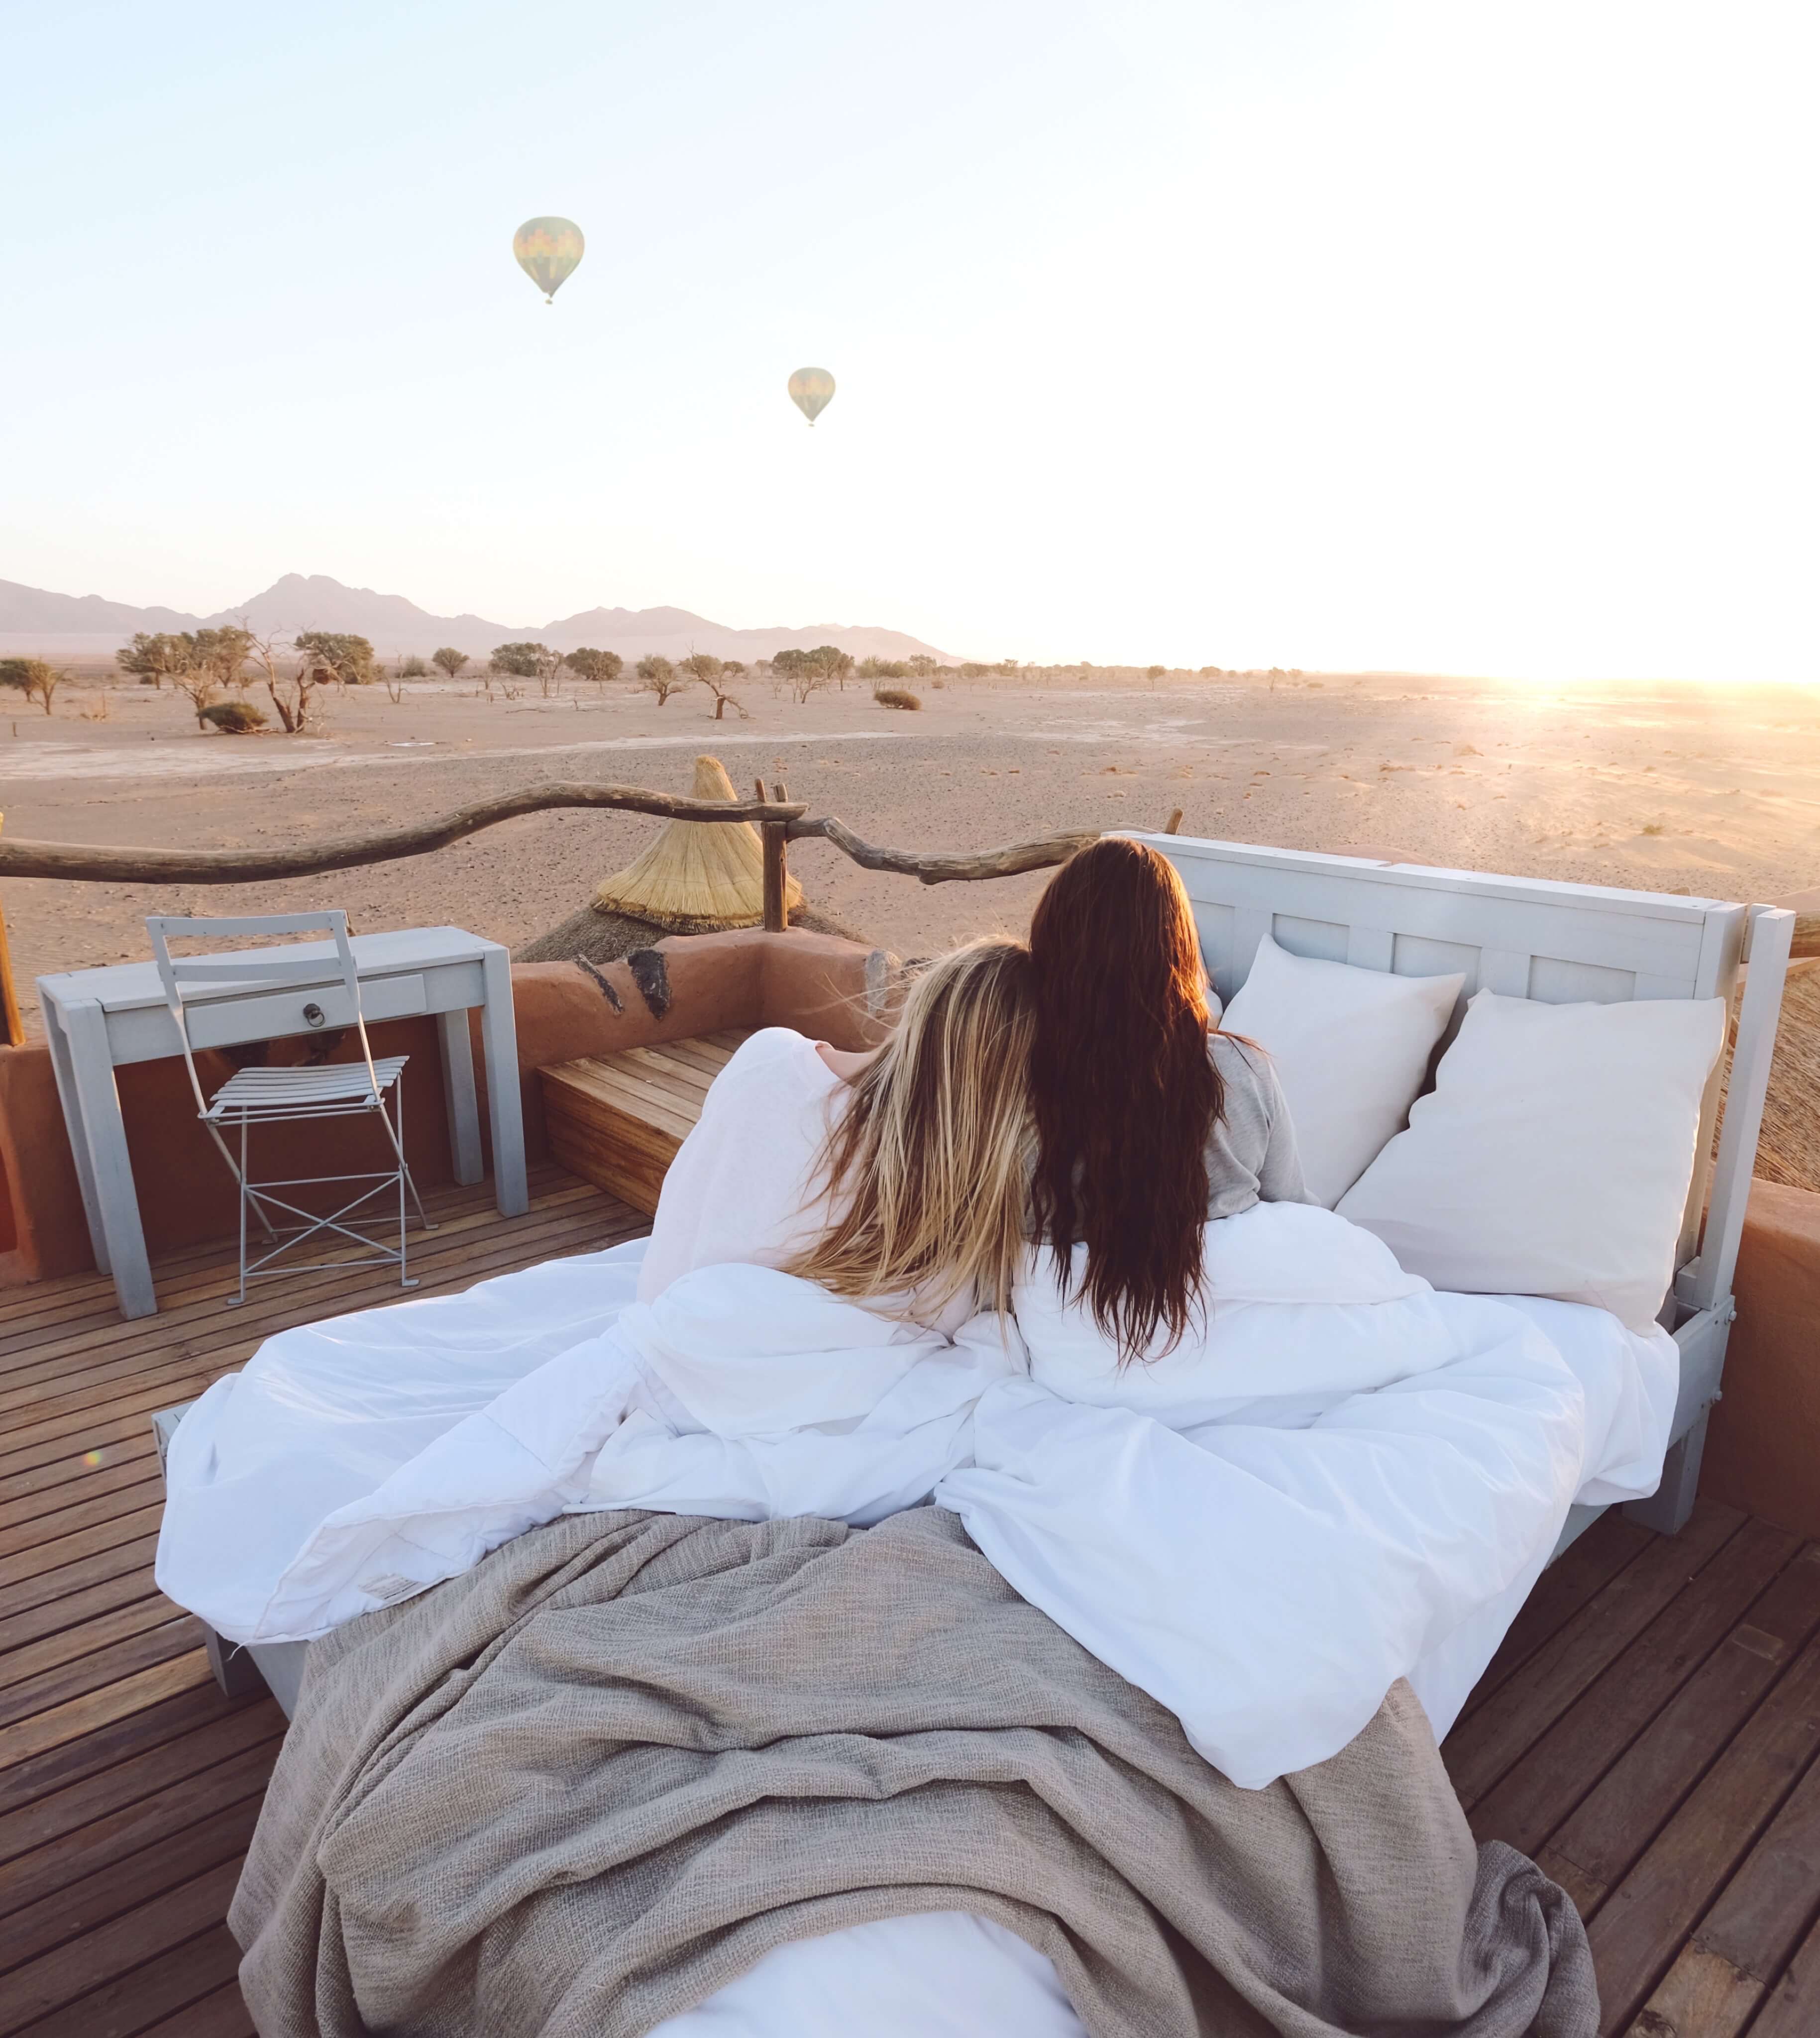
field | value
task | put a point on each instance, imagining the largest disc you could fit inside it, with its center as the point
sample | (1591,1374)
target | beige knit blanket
(578,1788)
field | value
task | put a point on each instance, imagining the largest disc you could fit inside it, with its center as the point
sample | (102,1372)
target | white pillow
(1350,1048)
(1553,1155)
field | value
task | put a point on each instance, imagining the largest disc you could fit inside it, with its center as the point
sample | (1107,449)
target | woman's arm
(1279,1177)
(1259,1127)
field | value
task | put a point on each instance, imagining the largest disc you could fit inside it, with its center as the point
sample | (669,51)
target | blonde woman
(895,1178)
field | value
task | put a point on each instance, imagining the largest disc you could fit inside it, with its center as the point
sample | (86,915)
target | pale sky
(1444,336)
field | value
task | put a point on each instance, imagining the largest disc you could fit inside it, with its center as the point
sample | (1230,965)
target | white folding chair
(262,1096)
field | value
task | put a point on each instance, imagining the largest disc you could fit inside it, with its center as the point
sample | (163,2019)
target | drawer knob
(313,1015)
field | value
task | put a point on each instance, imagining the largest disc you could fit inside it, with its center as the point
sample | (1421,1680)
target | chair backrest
(274,969)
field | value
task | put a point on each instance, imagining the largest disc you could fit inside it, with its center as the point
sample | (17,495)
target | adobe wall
(834,989)
(1763,1442)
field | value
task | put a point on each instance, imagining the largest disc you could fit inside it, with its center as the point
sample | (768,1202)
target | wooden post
(776,878)
(774,837)
(12,1026)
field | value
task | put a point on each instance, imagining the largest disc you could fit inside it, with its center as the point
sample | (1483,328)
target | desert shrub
(449,659)
(599,666)
(340,656)
(938,683)
(236,717)
(414,669)
(896,697)
(973,671)
(884,668)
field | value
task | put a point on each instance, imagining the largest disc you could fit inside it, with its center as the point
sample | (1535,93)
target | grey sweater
(1251,1157)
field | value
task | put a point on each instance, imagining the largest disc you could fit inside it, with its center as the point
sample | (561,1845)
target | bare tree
(199,686)
(712,673)
(33,677)
(290,691)
(658,675)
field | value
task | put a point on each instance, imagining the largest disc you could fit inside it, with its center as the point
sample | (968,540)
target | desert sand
(1711,791)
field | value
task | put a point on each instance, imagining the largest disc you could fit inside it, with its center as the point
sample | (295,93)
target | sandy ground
(1711,791)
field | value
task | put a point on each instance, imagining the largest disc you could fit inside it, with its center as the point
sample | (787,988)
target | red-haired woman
(1149,1120)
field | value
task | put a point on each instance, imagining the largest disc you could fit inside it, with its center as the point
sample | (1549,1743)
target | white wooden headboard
(1527,938)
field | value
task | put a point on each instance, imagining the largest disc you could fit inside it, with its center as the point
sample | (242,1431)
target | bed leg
(234,1670)
(1667,1509)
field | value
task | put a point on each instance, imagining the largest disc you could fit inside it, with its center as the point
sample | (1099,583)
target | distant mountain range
(79,624)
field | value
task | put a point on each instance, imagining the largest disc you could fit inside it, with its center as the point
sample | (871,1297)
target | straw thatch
(698,875)
(1788,1148)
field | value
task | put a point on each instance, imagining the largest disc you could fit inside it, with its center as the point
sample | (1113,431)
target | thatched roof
(1788,1150)
(697,875)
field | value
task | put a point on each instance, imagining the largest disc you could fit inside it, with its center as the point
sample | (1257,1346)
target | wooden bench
(616,1120)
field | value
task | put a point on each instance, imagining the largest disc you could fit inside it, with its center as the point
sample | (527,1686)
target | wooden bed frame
(1561,944)
(1529,938)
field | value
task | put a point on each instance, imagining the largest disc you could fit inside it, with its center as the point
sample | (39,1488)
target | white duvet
(1343,1477)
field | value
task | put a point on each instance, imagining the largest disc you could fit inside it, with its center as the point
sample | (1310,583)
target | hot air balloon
(548,251)
(812,391)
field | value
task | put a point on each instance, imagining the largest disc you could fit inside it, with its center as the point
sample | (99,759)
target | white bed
(948,1976)
(1559,944)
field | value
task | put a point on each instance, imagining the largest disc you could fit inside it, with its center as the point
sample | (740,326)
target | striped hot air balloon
(812,391)
(548,250)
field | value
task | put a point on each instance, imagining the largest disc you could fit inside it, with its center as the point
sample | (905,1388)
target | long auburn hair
(1123,1091)
(925,1168)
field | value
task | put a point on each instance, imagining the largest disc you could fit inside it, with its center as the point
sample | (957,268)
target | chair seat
(327,1090)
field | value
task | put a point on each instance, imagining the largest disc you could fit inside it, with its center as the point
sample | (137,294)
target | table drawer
(222,1022)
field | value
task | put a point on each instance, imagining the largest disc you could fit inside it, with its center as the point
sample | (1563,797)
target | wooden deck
(1649,1730)
(128,1785)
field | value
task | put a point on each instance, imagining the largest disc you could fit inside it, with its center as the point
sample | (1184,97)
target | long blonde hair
(926,1168)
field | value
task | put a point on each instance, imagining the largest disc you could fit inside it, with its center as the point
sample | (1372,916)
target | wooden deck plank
(200,1781)
(1589,1565)
(52,1586)
(1489,1741)
(194,1282)
(1641,1926)
(27,1495)
(63,1655)
(78,1716)
(119,1387)
(58,1371)
(1612,1825)
(38,1627)
(75,1788)
(1793,2010)
(1699,1997)
(49,1558)
(92,1509)
(1568,1759)
(109,1666)
(1761,1913)
(128,1783)
(1639,1671)
(197,1296)
(82,1908)
(69,1978)
(221,2015)
(127,2005)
